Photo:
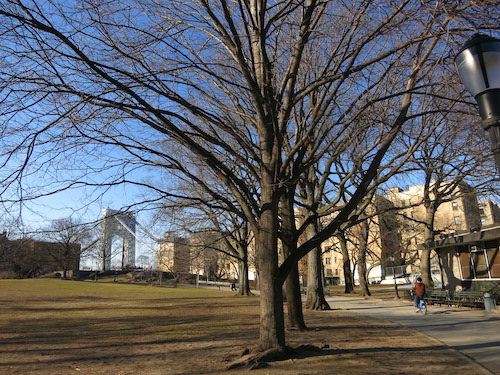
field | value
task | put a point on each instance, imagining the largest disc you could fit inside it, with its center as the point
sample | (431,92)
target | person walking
(419,292)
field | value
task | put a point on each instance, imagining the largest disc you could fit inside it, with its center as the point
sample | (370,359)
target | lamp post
(478,65)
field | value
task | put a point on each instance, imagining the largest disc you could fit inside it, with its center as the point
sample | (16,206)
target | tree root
(261,359)
(318,305)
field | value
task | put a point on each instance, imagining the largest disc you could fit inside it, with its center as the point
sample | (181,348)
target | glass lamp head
(478,65)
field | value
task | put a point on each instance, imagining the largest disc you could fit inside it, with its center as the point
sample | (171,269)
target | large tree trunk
(425,260)
(363,242)
(243,283)
(315,299)
(346,264)
(294,300)
(292,282)
(364,290)
(315,292)
(272,327)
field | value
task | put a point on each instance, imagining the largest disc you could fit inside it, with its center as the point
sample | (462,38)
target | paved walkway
(474,333)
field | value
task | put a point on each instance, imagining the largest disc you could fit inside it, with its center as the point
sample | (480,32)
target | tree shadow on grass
(256,360)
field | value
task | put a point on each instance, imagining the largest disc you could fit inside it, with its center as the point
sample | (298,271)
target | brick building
(21,258)
(200,254)
(397,231)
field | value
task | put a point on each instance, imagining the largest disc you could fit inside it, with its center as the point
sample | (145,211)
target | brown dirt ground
(351,344)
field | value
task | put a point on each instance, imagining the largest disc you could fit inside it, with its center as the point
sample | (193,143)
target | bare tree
(116,85)
(197,213)
(73,240)
(237,239)
(451,157)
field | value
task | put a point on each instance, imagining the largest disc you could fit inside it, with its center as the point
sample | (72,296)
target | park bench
(467,298)
(438,297)
(463,298)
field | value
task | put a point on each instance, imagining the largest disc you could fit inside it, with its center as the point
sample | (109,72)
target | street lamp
(478,65)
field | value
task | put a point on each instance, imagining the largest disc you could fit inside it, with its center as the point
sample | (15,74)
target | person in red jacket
(419,291)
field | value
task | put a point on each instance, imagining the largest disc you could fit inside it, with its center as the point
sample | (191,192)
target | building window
(329,272)
(480,263)
(336,272)
(454,205)
(457,220)
(328,260)
(491,250)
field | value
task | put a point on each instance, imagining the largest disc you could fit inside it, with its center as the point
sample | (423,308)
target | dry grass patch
(66,327)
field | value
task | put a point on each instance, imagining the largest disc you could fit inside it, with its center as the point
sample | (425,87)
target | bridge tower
(122,224)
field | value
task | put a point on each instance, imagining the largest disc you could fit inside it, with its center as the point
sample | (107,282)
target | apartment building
(23,258)
(392,237)
(202,254)
(397,230)
(489,212)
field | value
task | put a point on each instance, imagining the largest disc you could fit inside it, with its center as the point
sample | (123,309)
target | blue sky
(81,205)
